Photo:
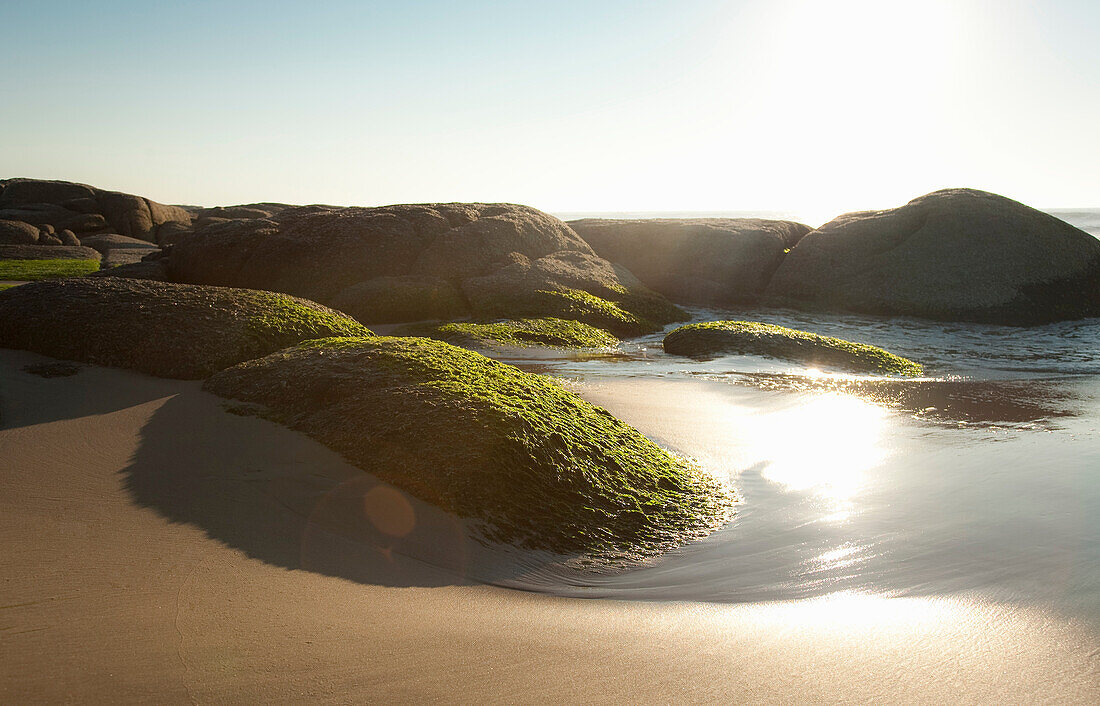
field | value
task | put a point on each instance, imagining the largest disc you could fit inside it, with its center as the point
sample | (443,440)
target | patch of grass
(557,333)
(32,270)
(7,286)
(537,465)
(756,338)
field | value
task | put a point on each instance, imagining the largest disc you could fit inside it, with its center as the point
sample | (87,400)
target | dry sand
(157,548)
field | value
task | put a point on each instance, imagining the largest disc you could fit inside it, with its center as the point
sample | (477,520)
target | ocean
(980,480)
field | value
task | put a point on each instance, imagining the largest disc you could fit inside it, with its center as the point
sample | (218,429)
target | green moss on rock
(557,333)
(537,465)
(32,270)
(579,305)
(160,328)
(750,337)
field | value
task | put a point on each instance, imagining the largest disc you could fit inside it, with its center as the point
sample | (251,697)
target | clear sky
(797,105)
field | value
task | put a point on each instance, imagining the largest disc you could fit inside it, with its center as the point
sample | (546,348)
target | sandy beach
(160,548)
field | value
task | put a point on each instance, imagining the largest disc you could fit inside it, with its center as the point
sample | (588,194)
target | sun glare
(823,446)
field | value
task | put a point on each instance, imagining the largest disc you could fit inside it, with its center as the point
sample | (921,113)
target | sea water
(981,479)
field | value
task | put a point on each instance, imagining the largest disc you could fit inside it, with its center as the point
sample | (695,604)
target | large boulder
(696,261)
(535,464)
(433,251)
(17,233)
(86,209)
(957,255)
(164,329)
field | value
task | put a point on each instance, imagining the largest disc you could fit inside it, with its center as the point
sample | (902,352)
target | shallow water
(981,479)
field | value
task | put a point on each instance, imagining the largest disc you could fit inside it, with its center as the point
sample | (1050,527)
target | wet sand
(159,548)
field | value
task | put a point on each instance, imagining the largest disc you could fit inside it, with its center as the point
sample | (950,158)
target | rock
(753,338)
(145,269)
(534,464)
(18,192)
(386,300)
(67,237)
(231,212)
(171,233)
(127,214)
(48,238)
(170,330)
(696,261)
(47,252)
(955,255)
(554,333)
(17,233)
(326,253)
(84,209)
(114,241)
(116,257)
(572,285)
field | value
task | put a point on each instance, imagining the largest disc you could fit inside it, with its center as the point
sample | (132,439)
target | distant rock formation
(695,261)
(170,330)
(956,254)
(445,260)
(85,210)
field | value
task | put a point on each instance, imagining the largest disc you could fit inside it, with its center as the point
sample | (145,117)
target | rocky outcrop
(18,233)
(696,261)
(498,256)
(534,464)
(47,252)
(86,210)
(119,249)
(169,330)
(956,254)
(754,338)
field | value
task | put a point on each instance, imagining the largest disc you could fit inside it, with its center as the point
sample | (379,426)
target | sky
(800,106)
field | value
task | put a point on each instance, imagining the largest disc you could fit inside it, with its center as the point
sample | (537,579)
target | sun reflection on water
(823,445)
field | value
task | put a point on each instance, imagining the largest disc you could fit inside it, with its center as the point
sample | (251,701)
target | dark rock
(323,253)
(534,464)
(67,237)
(145,269)
(386,300)
(697,261)
(17,233)
(48,238)
(956,255)
(47,252)
(170,330)
(114,241)
(83,209)
(18,192)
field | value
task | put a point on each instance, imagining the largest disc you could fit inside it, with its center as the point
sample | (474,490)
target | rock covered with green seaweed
(535,464)
(164,329)
(755,338)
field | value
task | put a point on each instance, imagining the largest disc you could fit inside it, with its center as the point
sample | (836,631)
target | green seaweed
(285,319)
(32,270)
(537,465)
(549,331)
(753,337)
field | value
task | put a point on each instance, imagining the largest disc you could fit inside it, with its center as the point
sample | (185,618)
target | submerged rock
(537,465)
(753,338)
(449,260)
(169,330)
(697,261)
(957,255)
(555,333)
